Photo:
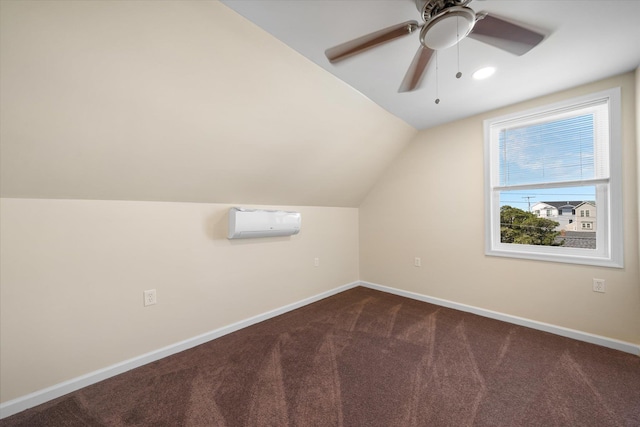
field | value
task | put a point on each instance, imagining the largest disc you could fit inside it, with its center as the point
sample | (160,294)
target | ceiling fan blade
(368,41)
(505,35)
(416,70)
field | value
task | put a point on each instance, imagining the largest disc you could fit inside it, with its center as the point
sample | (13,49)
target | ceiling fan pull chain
(437,97)
(458,74)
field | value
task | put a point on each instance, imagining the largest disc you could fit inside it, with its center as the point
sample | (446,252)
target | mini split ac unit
(250,223)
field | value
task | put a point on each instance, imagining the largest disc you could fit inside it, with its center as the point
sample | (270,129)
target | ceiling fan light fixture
(483,73)
(448,28)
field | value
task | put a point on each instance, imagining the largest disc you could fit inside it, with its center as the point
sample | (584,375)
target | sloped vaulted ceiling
(177,101)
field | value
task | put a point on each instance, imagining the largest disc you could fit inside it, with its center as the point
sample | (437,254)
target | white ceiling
(585,41)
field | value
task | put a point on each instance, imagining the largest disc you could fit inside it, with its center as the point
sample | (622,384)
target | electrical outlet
(150,297)
(598,285)
(316,262)
(417,262)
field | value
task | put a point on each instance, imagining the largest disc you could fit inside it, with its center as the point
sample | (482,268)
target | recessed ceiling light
(483,73)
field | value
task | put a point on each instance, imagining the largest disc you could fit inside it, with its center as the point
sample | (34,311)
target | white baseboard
(627,347)
(19,404)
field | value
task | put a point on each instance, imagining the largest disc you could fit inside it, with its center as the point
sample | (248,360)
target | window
(566,151)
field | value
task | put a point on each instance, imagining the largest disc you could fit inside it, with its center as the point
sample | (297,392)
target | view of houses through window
(556,217)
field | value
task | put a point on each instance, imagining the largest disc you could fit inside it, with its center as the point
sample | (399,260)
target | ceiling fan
(446,23)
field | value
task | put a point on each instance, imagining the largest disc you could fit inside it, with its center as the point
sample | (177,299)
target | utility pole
(529,200)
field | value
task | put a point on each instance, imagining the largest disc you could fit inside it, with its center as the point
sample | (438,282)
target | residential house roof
(558,205)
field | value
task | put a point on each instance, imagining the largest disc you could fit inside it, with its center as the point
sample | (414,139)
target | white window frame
(609,231)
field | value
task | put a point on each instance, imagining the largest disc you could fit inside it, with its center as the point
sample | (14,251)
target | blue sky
(551,152)
(561,150)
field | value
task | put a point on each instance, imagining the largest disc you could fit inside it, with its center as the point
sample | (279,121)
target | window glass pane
(556,151)
(547,217)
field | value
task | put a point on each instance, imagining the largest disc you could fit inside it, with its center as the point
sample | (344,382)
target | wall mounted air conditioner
(250,223)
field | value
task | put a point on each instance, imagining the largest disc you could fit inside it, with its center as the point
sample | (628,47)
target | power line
(529,200)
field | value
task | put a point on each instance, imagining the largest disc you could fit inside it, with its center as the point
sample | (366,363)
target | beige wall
(429,204)
(73,273)
(182,101)
(638,145)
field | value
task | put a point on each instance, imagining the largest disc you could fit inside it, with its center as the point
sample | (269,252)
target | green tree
(522,227)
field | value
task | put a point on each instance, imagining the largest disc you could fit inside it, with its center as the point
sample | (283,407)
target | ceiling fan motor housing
(431,8)
(446,22)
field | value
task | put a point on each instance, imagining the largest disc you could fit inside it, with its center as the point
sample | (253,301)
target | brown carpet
(366,358)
